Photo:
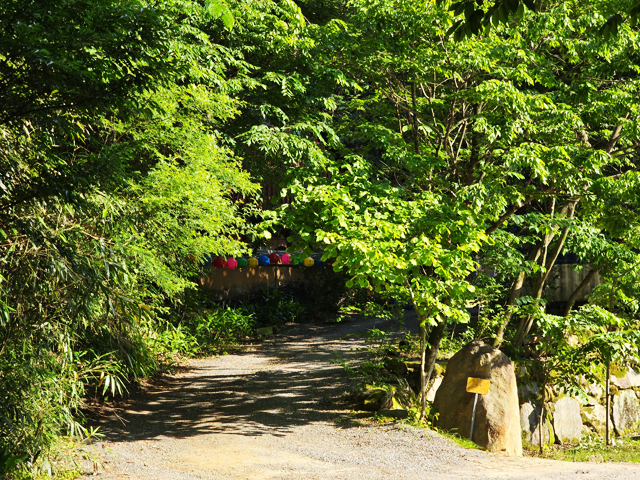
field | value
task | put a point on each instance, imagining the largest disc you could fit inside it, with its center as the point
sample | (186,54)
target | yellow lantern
(253,262)
(308,262)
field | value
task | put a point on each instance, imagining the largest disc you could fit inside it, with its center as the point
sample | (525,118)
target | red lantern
(219,262)
(232,263)
(274,258)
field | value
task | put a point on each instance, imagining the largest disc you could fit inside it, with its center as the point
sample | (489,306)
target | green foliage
(135,134)
(338,360)
(116,181)
(210,331)
(415,419)
(221,329)
(220,9)
(372,371)
(274,308)
(580,344)
(40,397)
(479,17)
(9,462)
(447,158)
(175,341)
(451,344)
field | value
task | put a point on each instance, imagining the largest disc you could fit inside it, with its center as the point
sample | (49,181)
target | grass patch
(458,440)
(594,449)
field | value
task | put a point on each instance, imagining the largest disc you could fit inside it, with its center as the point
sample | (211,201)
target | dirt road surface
(274,413)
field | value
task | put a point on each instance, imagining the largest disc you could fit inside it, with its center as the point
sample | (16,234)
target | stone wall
(568,419)
(571,418)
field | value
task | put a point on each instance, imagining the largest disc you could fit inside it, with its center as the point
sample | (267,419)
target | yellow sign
(477,385)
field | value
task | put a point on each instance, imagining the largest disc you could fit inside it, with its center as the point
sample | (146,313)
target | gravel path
(273,413)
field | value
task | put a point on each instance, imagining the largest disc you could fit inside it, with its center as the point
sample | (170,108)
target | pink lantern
(286,258)
(232,263)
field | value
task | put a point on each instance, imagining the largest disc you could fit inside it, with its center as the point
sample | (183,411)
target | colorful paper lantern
(318,263)
(207,260)
(242,262)
(286,258)
(274,258)
(232,263)
(253,262)
(263,260)
(296,260)
(308,262)
(219,262)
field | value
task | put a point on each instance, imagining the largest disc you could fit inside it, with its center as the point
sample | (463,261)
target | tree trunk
(435,337)
(607,388)
(427,360)
(399,118)
(507,214)
(514,294)
(416,136)
(474,158)
(511,300)
(423,386)
(578,291)
(541,419)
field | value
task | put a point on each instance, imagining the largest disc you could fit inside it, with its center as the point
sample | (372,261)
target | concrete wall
(563,280)
(228,284)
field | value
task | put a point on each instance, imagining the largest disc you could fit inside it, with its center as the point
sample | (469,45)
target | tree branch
(578,291)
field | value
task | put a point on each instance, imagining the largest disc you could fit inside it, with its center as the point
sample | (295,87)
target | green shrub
(222,328)
(41,392)
(274,307)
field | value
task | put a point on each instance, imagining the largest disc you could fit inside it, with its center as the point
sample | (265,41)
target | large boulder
(567,421)
(630,380)
(594,416)
(595,391)
(497,426)
(376,399)
(431,393)
(530,423)
(528,391)
(396,366)
(625,411)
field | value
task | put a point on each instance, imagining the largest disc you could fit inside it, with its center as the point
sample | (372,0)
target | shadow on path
(288,381)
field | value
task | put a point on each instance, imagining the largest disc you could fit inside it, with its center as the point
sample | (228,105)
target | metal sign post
(473,416)
(479,386)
